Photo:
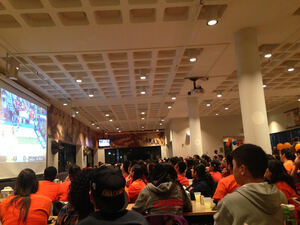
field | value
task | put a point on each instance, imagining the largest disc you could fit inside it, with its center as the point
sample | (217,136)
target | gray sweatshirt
(166,198)
(251,204)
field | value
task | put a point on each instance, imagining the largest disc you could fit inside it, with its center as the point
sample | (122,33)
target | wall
(213,129)
(277,121)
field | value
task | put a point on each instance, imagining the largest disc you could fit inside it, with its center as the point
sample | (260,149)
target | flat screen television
(104,143)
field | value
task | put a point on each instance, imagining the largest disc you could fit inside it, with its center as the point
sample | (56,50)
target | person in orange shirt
(276,174)
(138,182)
(215,170)
(180,168)
(47,187)
(227,184)
(25,206)
(64,187)
(286,157)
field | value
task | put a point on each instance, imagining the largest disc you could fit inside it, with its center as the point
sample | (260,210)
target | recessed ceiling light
(142,77)
(219,95)
(107,115)
(78,80)
(264,86)
(268,55)
(17,68)
(160,124)
(143,127)
(143,92)
(119,131)
(298,99)
(118,128)
(143,113)
(142,118)
(93,124)
(65,104)
(212,22)
(217,114)
(91,95)
(76,112)
(226,108)
(110,120)
(98,128)
(173,98)
(193,59)
(162,120)
(169,107)
(291,69)
(157,130)
(208,105)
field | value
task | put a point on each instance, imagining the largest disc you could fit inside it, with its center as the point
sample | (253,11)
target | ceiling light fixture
(91,95)
(119,131)
(291,69)
(169,107)
(107,115)
(226,108)
(298,99)
(142,77)
(142,113)
(264,86)
(110,120)
(65,104)
(142,118)
(217,114)
(76,112)
(208,104)
(162,120)
(157,130)
(212,22)
(98,128)
(118,128)
(193,59)
(173,98)
(93,124)
(268,55)
(219,95)
(160,124)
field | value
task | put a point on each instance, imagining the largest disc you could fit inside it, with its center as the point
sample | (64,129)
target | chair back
(166,220)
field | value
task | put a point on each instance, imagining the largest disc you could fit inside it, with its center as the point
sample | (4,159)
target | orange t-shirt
(225,186)
(134,189)
(216,176)
(286,189)
(38,213)
(63,191)
(289,166)
(183,180)
(49,189)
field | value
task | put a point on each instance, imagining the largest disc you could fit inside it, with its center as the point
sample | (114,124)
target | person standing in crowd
(202,182)
(180,169)
(164,195)
(25,206)
(215,170)
(287,157)
(138,182)
(79,205)
(227,184)
(110,200)
(47,187)
(65,186)
(255,202)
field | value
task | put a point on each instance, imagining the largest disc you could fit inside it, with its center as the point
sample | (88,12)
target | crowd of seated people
(247,186)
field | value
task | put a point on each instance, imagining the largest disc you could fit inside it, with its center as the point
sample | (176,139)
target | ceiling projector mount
(196,89)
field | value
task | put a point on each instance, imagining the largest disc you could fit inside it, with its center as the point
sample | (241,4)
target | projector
(197,90)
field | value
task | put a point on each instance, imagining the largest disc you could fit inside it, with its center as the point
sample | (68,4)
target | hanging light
(268,55)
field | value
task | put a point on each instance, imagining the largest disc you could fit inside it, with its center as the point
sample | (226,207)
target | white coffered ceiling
(110,44)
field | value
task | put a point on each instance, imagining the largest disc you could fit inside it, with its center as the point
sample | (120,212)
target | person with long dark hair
(277,174)
(79,206)
(25,206)
(202,182)
(215,170)
(138,182)
(164,195)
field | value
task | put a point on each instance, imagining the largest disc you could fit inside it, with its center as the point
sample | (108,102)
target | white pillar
(194,124)
(252,99)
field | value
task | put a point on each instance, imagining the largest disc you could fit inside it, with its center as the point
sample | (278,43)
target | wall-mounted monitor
(104,143)
(23,135)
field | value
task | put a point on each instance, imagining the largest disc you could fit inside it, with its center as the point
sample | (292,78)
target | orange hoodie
(134,189)
(183,180)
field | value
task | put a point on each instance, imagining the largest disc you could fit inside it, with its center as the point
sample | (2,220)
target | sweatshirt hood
(163,188)
(264,196)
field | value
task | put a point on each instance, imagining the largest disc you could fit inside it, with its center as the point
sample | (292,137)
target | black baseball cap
(108,190)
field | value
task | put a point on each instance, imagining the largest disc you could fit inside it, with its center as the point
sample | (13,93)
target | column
(195,127)
(252,99)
